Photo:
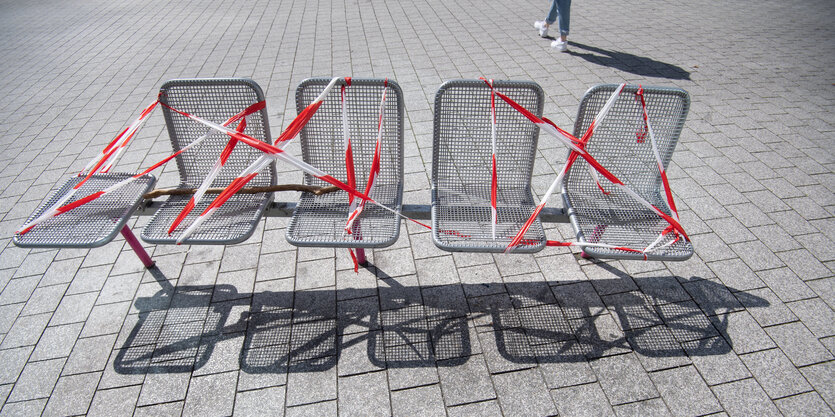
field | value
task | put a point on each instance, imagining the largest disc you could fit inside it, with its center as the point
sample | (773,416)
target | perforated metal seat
(215,100)
(320,220)
(90,225)
(462,167)
(620,145)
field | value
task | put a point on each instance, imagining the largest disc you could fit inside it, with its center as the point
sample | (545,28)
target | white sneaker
(560,45)
(543,30)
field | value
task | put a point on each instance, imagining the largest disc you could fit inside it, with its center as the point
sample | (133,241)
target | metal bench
(215,100)
(321,220)
(462,167)
(93,224)
(622,145)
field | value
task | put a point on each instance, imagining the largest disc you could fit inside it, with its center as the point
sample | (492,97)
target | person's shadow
(639,65)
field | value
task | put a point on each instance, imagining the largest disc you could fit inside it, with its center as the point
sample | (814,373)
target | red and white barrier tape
(578,145)
(61,208)
(375,163)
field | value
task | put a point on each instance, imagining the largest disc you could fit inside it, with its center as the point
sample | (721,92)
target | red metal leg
(137,247)
(361,257)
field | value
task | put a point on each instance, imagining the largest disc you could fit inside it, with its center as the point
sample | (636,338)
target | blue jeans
(560,9)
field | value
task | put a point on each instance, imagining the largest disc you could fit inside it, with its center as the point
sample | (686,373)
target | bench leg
(361,257)
(137,247)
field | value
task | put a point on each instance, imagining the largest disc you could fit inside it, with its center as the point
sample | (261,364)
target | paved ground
(746,327)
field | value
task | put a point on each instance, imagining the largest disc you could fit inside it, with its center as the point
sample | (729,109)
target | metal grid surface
(320,220)
(90,225)
(215,100)
(462,166)
(618,219)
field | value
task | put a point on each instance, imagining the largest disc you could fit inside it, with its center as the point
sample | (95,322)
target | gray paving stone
(364,395)
(736,274)
(72,394)
(73,309)
(315,274)
(745,398)
(5,390)
(766,308)
(484,408)
(775,373)
(18,290)
(818,317)
(276,265)
(114,402)
(582,400)
(757,255)
(436,271)
(465,382)
(523,393)
(804,264)
(713,298)
(105,319)
(89,279)
(168,409)
(405,377)
(825,288)
(743,333)
(211,395)
(325,408)
(716,361)
(36,263)
(579,300)
(786,284)
(359,355)
(89,354)
(44,300)
(311,386)
(225,354)
(160,388)
(821,376)
(26,331)
(808,404)
(395,263)
(685,392)
(799,344)
(37,380)
(25,408)
(656,348)
(623,379)
(654,407)
(267,401)
(8,315)
(14,360)
(420,401)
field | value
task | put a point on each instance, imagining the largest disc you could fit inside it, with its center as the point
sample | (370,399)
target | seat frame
(461,170)
(617,146)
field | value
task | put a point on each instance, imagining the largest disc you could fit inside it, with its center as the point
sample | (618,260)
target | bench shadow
(407,326)
(626,62)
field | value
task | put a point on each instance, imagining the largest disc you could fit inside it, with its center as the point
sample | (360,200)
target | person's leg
(543,25)
(564,15)
(553,13)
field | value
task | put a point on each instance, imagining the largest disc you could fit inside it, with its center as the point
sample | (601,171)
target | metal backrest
(322,139)
(216,100)
(462,150)
(621,144)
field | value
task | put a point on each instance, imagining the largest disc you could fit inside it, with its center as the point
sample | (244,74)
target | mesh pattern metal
(618,219)
(320,220)
(462,166)
(215,100)
(90,225)
(232,223)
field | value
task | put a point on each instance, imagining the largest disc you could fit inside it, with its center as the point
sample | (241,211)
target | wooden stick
(247,190)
